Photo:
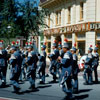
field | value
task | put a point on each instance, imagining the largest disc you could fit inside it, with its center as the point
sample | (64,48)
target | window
(49,20)
(58,18)
(49,47)
(81,10)
(69,15)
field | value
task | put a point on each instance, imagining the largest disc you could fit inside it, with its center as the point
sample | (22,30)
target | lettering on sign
(63,30)
(57,30)
(94,26)
(73,28)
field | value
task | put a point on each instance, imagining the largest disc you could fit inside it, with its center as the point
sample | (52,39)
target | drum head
(81,62)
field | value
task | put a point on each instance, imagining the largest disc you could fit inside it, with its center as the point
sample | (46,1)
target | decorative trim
(83,27)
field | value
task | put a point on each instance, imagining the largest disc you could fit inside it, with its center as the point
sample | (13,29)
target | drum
(82,62)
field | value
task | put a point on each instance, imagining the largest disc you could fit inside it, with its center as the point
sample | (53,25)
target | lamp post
(9,31)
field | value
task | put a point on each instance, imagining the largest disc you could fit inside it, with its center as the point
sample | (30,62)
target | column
(91,10)
(52,41)
(63,17)
(62,38)
(73,39)
(90,40)
(73,14)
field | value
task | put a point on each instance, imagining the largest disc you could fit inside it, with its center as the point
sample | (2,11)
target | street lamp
(9,30)
(9,27)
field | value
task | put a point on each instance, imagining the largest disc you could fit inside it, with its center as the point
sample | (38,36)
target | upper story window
(69,15)
(48,20)
(81,10)
(58,18)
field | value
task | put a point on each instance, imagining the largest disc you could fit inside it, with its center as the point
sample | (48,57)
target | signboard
(73,28)
(94,26)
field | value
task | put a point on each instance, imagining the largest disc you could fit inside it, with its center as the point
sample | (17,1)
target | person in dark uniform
(32,65)
(66,79)
(88,67)
(15,61)
(53,65)
(3,64)
(75,70)
(5,55)
(24,66)
(20,52)
(95,63)
(61,54)
(42,65)
(24,59)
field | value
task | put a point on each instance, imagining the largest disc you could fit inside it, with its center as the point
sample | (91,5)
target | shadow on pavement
(28,91)
(5,86)
(96,82)
(80,97)
(84,90)
(46,86)
(52,82)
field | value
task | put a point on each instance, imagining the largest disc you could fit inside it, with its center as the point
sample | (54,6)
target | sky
(30,0)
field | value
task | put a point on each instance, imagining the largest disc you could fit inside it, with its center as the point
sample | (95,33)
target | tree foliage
(8,16)
(20,19)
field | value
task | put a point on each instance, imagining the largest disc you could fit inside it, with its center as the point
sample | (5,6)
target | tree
(8,17)
(31,17)
(20,19)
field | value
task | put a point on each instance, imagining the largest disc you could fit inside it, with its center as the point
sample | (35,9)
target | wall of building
(97,10)
(75,12)
(91,13)
(91,10)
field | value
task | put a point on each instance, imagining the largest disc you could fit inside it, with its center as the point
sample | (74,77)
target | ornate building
(76,20)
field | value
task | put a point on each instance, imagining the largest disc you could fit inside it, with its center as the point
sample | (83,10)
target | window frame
(69,15)
(81,11)
(58,18)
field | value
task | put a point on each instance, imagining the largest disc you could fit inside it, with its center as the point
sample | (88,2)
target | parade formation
(26,63)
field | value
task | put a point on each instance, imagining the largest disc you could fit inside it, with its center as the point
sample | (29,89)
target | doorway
(81,47)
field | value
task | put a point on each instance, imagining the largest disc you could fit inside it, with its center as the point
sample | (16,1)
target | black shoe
(41,82)
(16,89)
(70,96)
(75,91)
(32,87)
(47,75)
(53,81)
(90,83)
(24,78)
(96,82)
(20,80)
(3,85)
(85,83)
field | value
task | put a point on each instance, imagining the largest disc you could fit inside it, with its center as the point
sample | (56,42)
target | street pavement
(49,91)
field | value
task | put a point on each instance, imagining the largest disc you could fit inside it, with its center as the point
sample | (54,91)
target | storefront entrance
(49,47)
(98,43)
(81,47)
(58,39)
(70,45)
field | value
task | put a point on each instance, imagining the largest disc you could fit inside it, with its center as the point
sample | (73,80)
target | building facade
(76,20)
